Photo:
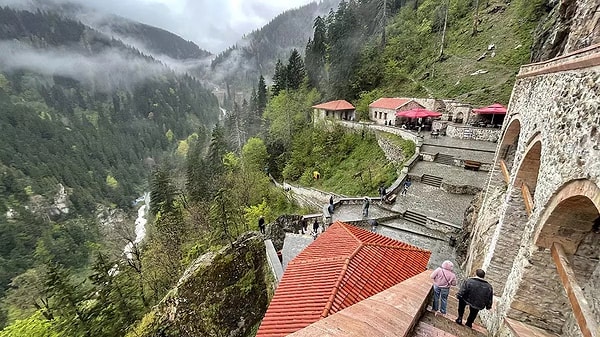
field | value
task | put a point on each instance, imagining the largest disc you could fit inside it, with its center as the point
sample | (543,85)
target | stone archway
(528,172)
(519,206)
(510,140)
(568,222)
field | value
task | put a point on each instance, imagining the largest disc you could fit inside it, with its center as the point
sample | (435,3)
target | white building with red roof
(383,111)
(337,110)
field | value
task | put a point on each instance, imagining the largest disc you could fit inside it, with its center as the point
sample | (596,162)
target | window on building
(385,116)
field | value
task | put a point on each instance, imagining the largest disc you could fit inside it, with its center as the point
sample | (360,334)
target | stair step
(431,180)
(427,330)
(444,159)
(417,218)
(446,326)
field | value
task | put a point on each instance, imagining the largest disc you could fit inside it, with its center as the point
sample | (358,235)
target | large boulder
(220,294)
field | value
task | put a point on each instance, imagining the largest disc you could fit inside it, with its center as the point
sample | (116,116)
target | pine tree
(295,71)
(261,96)
(316,53)
(279,78)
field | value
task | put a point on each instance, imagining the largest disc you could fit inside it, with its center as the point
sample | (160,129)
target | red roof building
(384,110)
(340,109)
(389,103)
(344,266)
(335,105)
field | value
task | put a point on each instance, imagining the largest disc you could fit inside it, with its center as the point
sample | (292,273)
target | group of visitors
(475,292)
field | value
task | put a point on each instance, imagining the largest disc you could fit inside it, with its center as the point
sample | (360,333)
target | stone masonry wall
(468,132)
(563,108)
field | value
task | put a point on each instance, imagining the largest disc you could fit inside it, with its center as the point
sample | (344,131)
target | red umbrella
(418,113)
(494,109)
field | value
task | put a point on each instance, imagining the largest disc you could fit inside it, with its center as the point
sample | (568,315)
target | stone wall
(468,132)
(455,109)
(558,103)
(393,152)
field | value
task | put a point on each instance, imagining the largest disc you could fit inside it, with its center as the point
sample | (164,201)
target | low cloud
(104,71)
(213,25)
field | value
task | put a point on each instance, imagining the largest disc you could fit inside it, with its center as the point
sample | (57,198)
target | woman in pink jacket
(443,278)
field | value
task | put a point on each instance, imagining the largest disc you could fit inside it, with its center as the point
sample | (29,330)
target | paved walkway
(480,156)
(347,213)
(434,202)
(459,143)
(453,175)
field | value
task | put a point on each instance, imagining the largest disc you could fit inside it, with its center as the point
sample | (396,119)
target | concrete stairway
(414,217)
(444,159)
(431,180)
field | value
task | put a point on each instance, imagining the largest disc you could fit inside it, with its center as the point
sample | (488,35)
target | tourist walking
(406,186)
(381,193)
(373,224)
(478,294)
(366,204)
(443,278)
(331,206)
(315,228)
(261,224)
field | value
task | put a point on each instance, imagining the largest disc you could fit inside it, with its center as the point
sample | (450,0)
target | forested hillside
(256,54)
(466,50)
(86,112)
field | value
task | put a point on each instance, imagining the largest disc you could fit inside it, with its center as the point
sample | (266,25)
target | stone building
(384,110)
(538,230)
(337,110)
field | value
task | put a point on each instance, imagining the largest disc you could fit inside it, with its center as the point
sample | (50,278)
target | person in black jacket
(478,294)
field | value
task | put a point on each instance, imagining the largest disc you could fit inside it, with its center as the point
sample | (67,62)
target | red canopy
(418,113)
(494,109)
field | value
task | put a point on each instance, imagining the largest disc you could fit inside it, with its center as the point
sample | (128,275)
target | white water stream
(140,225)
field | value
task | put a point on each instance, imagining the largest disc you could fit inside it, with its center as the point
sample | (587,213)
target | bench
(389,199)
(472,165)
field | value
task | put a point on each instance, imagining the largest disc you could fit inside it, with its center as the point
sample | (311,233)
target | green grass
(350,163)
(416,49)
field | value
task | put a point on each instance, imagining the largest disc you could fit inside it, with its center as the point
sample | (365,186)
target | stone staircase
(415,217)
(431,325)
(444,159)
(432,180)
(510,237)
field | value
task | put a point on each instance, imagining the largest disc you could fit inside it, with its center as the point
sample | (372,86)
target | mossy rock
(220,294)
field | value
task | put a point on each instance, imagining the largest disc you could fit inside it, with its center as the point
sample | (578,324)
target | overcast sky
(212,24)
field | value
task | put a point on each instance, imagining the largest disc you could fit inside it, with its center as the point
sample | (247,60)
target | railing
(581,309)
(504,170)
(527,198)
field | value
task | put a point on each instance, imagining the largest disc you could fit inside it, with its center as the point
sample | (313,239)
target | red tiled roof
(392,312)
(389,103)
(344,266)
(335,105)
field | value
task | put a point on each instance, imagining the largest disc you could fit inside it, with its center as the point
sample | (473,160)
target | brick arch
(569,215)
(529,167)
(510,140)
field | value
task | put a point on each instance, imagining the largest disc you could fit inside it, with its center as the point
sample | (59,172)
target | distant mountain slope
(148,39)
(112,98)
(155,40)
(257,52)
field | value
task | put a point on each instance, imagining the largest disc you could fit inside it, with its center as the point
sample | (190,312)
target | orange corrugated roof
(389,103)
(344,266)
(335,105)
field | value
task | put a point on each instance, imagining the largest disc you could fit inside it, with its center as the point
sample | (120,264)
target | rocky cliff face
(220,294)
(571,25)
